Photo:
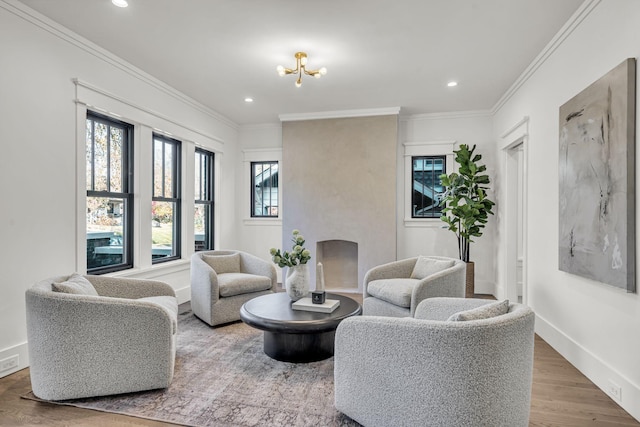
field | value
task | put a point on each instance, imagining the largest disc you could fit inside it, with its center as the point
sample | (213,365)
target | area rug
(223,378)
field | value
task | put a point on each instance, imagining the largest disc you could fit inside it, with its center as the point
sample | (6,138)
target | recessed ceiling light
(452,84)
(248,99)
(120,3)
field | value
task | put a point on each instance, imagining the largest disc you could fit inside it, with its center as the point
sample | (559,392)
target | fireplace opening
(339,260)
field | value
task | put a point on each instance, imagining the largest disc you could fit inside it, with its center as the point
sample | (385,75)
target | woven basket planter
(469,290)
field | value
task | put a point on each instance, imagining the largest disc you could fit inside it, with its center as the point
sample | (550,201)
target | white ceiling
(379,53)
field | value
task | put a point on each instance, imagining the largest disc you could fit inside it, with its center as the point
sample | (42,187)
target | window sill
(424,223)
(262,221)
(155,270)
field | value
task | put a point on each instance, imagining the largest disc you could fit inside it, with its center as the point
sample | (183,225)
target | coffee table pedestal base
(299,348)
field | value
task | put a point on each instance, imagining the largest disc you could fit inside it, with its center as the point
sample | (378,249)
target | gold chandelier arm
(301,62)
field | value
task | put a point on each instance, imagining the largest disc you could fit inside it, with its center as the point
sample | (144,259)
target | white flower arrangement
(298,255)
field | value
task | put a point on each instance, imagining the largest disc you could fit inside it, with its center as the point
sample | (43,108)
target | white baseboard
(599,372)
(183,294)
(20,350)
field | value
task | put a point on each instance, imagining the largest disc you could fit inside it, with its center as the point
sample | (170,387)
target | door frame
(516,137)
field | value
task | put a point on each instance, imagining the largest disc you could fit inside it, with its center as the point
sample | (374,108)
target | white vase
(297,281)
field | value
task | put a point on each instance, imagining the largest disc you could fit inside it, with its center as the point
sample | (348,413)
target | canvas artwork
(597,175)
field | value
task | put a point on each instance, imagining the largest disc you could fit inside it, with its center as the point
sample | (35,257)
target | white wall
(38,214)
(257,235)
(593,325)
(429,237)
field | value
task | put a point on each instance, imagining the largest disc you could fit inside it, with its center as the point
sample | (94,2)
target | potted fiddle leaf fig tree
(466,207)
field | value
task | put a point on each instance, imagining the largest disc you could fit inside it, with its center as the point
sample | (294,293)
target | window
(203,217)
(426,187)
(165,205)
(109,194)
(264,189)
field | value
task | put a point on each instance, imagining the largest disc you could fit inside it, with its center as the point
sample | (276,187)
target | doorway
(516,289)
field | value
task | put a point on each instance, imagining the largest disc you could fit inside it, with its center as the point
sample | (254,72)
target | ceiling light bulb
(299,82)
(323,71)
(303,61)
(120,3)
(452,84)
(317,75)
(281,70)
(248,99)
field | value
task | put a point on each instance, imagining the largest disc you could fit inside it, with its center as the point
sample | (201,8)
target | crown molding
(368,112)
(22,11)
(576,19)
(447,115)
(261,126)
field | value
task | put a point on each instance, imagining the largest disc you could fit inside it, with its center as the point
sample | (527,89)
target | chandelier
(301,63)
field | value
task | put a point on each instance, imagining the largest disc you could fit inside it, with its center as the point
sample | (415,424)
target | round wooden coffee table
(295,335)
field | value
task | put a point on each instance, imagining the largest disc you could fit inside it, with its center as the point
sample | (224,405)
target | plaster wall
(338,180)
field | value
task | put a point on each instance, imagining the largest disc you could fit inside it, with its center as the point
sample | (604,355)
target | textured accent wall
(339,183)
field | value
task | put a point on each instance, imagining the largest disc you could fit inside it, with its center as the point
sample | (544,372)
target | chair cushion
(426,266)
(394,291)
(231,284)
(168,304)
(75,284)
(483,312)
(223,263)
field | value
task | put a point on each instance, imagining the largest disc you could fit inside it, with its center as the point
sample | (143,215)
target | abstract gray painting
(597,175)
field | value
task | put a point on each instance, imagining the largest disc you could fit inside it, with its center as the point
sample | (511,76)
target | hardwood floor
(561,396)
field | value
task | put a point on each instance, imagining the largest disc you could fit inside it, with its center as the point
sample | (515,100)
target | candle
(319,277)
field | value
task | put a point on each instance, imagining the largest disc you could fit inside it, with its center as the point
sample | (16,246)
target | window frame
(208,188)
(127,193)
(253,186)
(176,191)
(433,158)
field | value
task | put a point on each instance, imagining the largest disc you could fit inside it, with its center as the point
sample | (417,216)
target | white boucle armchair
(223,280)
(395,289)
(118,341)
(431,371)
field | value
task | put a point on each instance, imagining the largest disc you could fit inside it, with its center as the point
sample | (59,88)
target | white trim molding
(446,115)
(120,108)
(368,112)
(259,155)
(592,366)
(583,11)
(426,148)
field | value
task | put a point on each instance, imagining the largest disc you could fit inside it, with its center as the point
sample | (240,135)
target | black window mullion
(96,261)
(164,177)
(93,154)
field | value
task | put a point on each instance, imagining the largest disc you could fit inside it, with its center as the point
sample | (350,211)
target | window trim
(126,196)
(176,190)
(210,191)
(257,155)
(422,149)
